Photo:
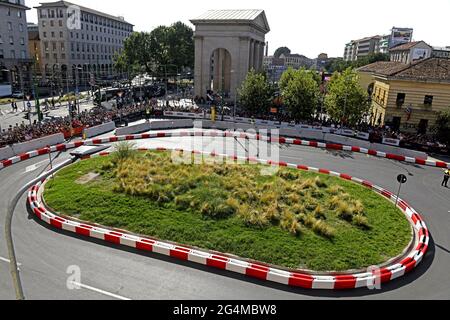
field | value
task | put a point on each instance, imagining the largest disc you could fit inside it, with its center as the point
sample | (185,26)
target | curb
(256,270)
(228,134)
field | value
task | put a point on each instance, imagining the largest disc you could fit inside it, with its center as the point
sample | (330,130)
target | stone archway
(234,37)
(221,71)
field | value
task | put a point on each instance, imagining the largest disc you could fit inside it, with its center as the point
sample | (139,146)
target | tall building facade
(14,57)
(34,45)
(357,49)
(78,42)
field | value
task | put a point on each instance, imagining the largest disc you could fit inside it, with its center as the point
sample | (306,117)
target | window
(52,23)
(61,34)
(11,40)
(23,54)
(60,23)
(22,41)
(63,56)
(53,34)
(13,54)
(2,54)
(9,26)
(428,101)
(45,34)
(401,99)
(19,14)
(44,24)
(21,27)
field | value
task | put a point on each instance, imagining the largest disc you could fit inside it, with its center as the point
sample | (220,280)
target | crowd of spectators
(133,110)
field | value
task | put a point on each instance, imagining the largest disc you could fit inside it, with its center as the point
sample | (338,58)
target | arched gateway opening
(221,72)
(228,44)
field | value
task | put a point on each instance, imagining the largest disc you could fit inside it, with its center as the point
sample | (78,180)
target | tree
(181,49)
(173,45)
(137,54)
(346,101)
(282,50)
(300,91)
(443,127)
(339,65)
(256,94)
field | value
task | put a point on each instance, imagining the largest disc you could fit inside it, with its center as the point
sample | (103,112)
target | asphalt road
(111,272)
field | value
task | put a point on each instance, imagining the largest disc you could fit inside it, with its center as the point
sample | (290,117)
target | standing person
(446,178)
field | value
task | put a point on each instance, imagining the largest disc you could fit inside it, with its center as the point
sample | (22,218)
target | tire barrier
(228,134)
(336,281)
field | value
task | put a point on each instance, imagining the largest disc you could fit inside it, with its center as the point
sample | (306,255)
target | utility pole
(76,90)
(36,92)
(22,88)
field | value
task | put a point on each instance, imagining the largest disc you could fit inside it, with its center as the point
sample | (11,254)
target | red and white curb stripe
(255,270)
(282,140)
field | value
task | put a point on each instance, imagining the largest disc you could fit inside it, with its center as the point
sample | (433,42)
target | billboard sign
(400,36)
(419,54)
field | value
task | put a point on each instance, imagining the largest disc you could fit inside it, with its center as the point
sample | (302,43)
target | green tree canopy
(443,127)
(346,101)
(300,91)
(282,50)
(256,94)
(339,65)
(172,46)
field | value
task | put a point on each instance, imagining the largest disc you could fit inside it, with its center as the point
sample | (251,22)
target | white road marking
(8,261)
(106,293)
(35,166)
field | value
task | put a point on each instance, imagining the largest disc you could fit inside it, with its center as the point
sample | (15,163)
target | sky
(307,27)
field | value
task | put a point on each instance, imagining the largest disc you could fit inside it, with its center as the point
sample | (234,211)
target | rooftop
(85,9)
(238,16)
(248,15)
(431,69)
(406,46)
(14,4)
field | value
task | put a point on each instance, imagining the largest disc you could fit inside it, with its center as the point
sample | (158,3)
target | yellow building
(34,46)
(407,97)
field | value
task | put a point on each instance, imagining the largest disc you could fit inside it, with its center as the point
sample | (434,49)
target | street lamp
(120,94)
(76,88)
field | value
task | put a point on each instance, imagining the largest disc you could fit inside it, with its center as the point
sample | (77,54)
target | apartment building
(79,42)
(14,58)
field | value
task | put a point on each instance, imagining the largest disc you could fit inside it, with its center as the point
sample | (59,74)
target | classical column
(255,55)
(198,69)
(216,69)
(252,55)
(258,56)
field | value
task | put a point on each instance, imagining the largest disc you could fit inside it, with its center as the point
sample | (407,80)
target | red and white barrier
(315,144)
(256,270)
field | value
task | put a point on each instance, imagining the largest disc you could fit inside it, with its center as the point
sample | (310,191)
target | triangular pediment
(261,21)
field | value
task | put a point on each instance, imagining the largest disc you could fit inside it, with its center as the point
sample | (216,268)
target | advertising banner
(391,142)
(419,54)
(400,36)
